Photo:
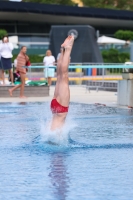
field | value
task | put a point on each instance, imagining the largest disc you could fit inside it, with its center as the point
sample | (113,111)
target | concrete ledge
(30,91)
(125,93)
(127,76)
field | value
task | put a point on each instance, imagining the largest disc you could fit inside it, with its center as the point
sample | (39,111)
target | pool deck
(78,94)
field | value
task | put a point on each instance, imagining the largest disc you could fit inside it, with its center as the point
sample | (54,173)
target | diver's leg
(68,44)
(58,72)
(60,61)
(63,93)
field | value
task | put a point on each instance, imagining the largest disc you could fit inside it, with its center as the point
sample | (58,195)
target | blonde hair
(48,51)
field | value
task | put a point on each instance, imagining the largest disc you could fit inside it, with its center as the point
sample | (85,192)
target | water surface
(96,163)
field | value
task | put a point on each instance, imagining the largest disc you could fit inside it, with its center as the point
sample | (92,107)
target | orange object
(94,71)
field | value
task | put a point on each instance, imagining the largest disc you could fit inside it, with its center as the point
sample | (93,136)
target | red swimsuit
(57,108)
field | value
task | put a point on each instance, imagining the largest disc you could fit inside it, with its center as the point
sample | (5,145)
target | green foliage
(2,33)
(98,4)
(60,2)
(124,35)
(111,4)
(124,57)
(33,58)
(110,56)
(114,56)
(36,58)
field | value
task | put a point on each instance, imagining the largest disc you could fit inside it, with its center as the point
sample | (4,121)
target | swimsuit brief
(57,108)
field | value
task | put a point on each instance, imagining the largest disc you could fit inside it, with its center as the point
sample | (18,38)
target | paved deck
(78,94)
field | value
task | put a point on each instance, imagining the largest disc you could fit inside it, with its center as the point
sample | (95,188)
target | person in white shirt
(5,58)
(49,62)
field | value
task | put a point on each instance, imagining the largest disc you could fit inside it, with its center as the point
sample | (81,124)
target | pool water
(95,161)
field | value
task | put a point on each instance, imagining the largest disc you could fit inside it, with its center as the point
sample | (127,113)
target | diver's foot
(23,97)
(64,43)
(10,92)
(68,42)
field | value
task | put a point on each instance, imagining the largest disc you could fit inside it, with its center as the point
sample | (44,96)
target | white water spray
(58,136)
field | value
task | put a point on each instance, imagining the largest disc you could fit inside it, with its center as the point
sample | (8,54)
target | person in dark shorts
(5,58)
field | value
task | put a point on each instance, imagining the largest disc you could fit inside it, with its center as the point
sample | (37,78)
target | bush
(36,58)
(2,33)
(114,56)
(33,58)
(124,35)
(111,56)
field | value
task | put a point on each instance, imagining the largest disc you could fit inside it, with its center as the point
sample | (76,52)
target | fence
(92,75)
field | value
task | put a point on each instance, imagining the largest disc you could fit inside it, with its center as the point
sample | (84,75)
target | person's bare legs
(12,89)
(63,93)
(22,76)
(21,86)
(3,77)
(11,76)
(66,41)
(0,74)
(49,81)
(58,72)
(60,61)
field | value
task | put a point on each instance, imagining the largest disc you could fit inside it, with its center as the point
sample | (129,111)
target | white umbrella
(109,40)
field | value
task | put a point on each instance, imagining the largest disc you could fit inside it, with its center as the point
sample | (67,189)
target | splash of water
(58,136)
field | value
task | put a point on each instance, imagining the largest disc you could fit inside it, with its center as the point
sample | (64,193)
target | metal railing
(91,75)
(88,65)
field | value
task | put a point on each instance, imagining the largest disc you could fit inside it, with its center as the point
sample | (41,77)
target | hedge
(114,56)
(2,33)
(109,56)
(124,35)
(33,58)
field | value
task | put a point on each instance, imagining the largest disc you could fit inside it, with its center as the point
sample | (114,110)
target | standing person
(60,101)
(5,61)
(49,61)
(22,59)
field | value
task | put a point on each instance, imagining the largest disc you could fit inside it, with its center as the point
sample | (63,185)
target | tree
(2,33)
(112,4)
(124,34)
(59,2)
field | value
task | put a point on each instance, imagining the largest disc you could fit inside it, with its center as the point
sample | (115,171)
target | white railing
(91,74)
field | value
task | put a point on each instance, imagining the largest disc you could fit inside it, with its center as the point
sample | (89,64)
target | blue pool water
(95,163)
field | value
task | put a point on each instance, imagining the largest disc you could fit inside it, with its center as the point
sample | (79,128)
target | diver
(61,99)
